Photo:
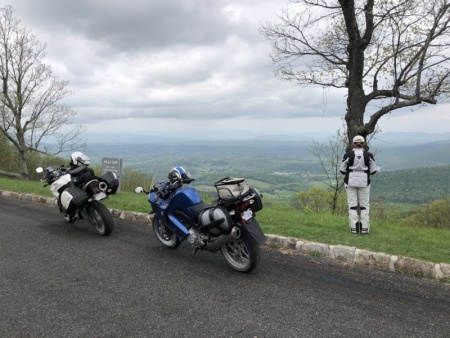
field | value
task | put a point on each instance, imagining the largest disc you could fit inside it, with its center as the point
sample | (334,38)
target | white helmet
(78,158)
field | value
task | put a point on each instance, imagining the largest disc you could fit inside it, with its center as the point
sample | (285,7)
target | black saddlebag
(73,199)
(111,181)
(215,221)
(257,204)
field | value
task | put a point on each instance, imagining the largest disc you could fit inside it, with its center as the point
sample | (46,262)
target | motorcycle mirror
(39,170)
(139,190)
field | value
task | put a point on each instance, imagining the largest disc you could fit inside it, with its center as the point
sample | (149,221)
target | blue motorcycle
(228,224)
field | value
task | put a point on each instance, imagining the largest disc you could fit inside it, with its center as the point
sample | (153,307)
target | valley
(410,172)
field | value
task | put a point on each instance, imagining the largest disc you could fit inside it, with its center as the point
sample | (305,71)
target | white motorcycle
(79,194)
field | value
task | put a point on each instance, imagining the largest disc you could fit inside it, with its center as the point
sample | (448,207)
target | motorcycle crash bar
(224,239)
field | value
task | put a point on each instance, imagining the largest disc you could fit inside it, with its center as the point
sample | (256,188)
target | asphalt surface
(59,282)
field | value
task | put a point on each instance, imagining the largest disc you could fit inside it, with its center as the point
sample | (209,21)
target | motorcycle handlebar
(164,189)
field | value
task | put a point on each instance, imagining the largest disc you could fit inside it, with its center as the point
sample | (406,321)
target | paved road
(75,283)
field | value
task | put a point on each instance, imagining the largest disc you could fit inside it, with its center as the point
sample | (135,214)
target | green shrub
(318,200)
(8,159)
(384,212)
(436,215)
(132,179)
(38,160)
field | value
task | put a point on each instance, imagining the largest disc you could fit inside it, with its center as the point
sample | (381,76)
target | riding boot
(365,222)
(353,220)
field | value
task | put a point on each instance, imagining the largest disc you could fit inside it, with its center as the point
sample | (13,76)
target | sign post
(114,165)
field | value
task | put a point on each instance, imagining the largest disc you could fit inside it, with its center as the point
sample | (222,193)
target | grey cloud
(136,24)
(184,59)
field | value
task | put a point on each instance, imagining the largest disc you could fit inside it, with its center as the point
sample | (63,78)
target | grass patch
(129,201)
(30,187)
(428,244)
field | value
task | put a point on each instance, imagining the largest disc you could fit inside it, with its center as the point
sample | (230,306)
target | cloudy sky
(190,66)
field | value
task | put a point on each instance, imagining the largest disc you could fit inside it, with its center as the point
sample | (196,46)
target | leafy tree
(31,111)
(392,52)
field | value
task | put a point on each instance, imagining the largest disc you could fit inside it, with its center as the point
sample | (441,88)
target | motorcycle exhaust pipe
(102,186)
(224,239)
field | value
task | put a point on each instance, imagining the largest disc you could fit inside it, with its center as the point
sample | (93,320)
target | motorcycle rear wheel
(100,218)
(242,254)
(165,235)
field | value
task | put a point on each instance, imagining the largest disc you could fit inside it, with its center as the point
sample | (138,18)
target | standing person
(357,166)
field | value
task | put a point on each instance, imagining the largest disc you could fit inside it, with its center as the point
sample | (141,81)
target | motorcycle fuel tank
(185,197)
(180,199)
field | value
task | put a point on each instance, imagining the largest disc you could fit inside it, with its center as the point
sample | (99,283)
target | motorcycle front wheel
(65,215)
(242,254)
(100,218)
(165,235)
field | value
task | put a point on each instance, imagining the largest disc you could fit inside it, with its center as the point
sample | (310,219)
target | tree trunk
(23,169)
(8,174)
(356,100)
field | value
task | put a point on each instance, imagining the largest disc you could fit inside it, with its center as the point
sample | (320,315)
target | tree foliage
(31,109)
(392,53)
(436,215)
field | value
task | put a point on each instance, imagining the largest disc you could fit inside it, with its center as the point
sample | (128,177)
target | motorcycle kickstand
(193,254)
(72,220)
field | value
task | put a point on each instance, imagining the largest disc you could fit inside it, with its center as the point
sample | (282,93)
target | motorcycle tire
(165,235)
(242,254)
(100,218)
(66,216)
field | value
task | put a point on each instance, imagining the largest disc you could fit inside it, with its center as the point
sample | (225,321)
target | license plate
(100,196)
(247,214)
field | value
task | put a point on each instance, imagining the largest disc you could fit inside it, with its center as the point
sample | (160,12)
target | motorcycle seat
(200,207)
(77,170)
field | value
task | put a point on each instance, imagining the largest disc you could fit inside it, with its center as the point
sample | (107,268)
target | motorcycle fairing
(179,228)
(158,202)
(59,185)
(182,198)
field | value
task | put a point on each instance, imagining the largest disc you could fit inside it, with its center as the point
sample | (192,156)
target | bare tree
(394,53)
(32,114)
(329,156)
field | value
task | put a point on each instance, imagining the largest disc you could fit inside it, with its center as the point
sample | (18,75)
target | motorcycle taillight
(93,186)
(243,206)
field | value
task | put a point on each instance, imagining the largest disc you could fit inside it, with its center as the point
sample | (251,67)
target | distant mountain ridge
(380,140)
(393,151)
(281,167)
